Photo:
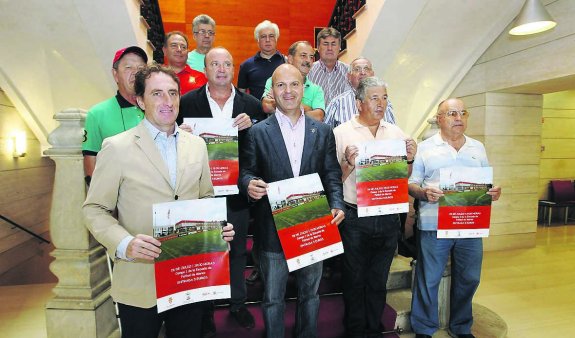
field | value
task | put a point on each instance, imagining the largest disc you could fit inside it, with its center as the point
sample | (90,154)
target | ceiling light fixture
(532,19)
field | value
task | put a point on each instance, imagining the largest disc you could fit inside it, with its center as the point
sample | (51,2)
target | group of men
(144,154)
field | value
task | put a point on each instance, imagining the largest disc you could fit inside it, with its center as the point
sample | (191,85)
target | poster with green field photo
(222,141)
(193,265)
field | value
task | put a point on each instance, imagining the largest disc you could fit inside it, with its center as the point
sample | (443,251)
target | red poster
(302,217)
(465,208)
(381,178)
(193,265)
(222,142)
(224,172)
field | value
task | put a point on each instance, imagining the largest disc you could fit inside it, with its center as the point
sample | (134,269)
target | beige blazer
(131,175)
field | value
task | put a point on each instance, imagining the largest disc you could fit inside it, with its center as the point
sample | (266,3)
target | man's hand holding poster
(465,207)
(193,265)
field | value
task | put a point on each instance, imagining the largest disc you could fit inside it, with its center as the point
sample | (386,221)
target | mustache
(306,64)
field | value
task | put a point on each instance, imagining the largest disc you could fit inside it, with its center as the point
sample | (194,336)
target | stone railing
(82,306)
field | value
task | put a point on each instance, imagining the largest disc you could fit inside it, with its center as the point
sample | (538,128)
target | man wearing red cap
(176,54)
(118,113)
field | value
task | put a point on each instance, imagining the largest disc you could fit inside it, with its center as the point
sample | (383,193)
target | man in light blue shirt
(450,147)
(204,33)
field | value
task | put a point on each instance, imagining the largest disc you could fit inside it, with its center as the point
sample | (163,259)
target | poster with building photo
(193,265)
(302,217)
(381,178)
(222,141)
(465,208)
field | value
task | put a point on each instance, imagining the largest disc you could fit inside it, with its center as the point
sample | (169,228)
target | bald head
(359,69)
(287,87)
(219,67)
(452,118)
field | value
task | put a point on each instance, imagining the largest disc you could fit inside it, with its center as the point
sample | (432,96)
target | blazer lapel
(183,156)
(275,137)
(311,132)
(203,104)
(145,142)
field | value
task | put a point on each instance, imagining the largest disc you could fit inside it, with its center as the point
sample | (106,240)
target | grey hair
(365,84)
(266,24)
(202,19)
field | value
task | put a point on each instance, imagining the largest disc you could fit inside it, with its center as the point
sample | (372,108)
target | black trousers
(181,322)
(240,219)
(369,246)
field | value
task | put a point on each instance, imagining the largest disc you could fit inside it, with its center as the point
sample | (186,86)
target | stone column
(82,306)
(509,125)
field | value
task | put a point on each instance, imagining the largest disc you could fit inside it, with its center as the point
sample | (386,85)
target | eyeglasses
(360,70)
(452,113)
(203,32)
(176,46)
(217,65)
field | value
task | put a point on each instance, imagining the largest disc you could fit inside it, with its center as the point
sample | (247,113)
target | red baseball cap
(133,49)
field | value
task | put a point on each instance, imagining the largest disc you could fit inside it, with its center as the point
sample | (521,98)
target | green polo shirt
(108,118)
(312,94)
(196,61)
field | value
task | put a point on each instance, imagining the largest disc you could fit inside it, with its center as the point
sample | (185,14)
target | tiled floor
(532,289)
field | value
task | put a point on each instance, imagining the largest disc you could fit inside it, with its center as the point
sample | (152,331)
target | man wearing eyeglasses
(219,98)
(176,54)
(204,30)
(450,147)
(343,107)
(257,69)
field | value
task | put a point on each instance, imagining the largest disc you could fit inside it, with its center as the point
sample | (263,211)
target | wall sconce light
(532,19)
(17,144)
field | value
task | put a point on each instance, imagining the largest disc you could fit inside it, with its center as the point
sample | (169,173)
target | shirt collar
(155,132)
(122,101)
(187,70)
(324,67)
(276,54)
(355,122)
(438,140)
(210,97)
(282,118)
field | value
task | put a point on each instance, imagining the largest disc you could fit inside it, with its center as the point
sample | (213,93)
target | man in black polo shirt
(256,70)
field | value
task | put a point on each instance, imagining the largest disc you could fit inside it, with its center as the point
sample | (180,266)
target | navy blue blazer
(265,156)
(195,104)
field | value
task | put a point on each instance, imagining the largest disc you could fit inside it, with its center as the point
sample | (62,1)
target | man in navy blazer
(219,98)
(286,145)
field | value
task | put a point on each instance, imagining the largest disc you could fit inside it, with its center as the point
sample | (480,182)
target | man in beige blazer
(152,163)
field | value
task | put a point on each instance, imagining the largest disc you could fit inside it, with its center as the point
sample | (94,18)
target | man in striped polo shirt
(328,72)
(343,107)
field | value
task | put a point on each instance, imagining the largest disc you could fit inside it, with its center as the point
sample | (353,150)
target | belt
(351,205)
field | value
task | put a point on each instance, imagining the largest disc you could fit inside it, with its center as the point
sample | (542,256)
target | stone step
(400,301)
(486,323)
(399,273)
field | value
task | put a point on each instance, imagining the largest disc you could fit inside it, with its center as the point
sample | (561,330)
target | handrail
(342,17)
(150,11)
(7,220)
